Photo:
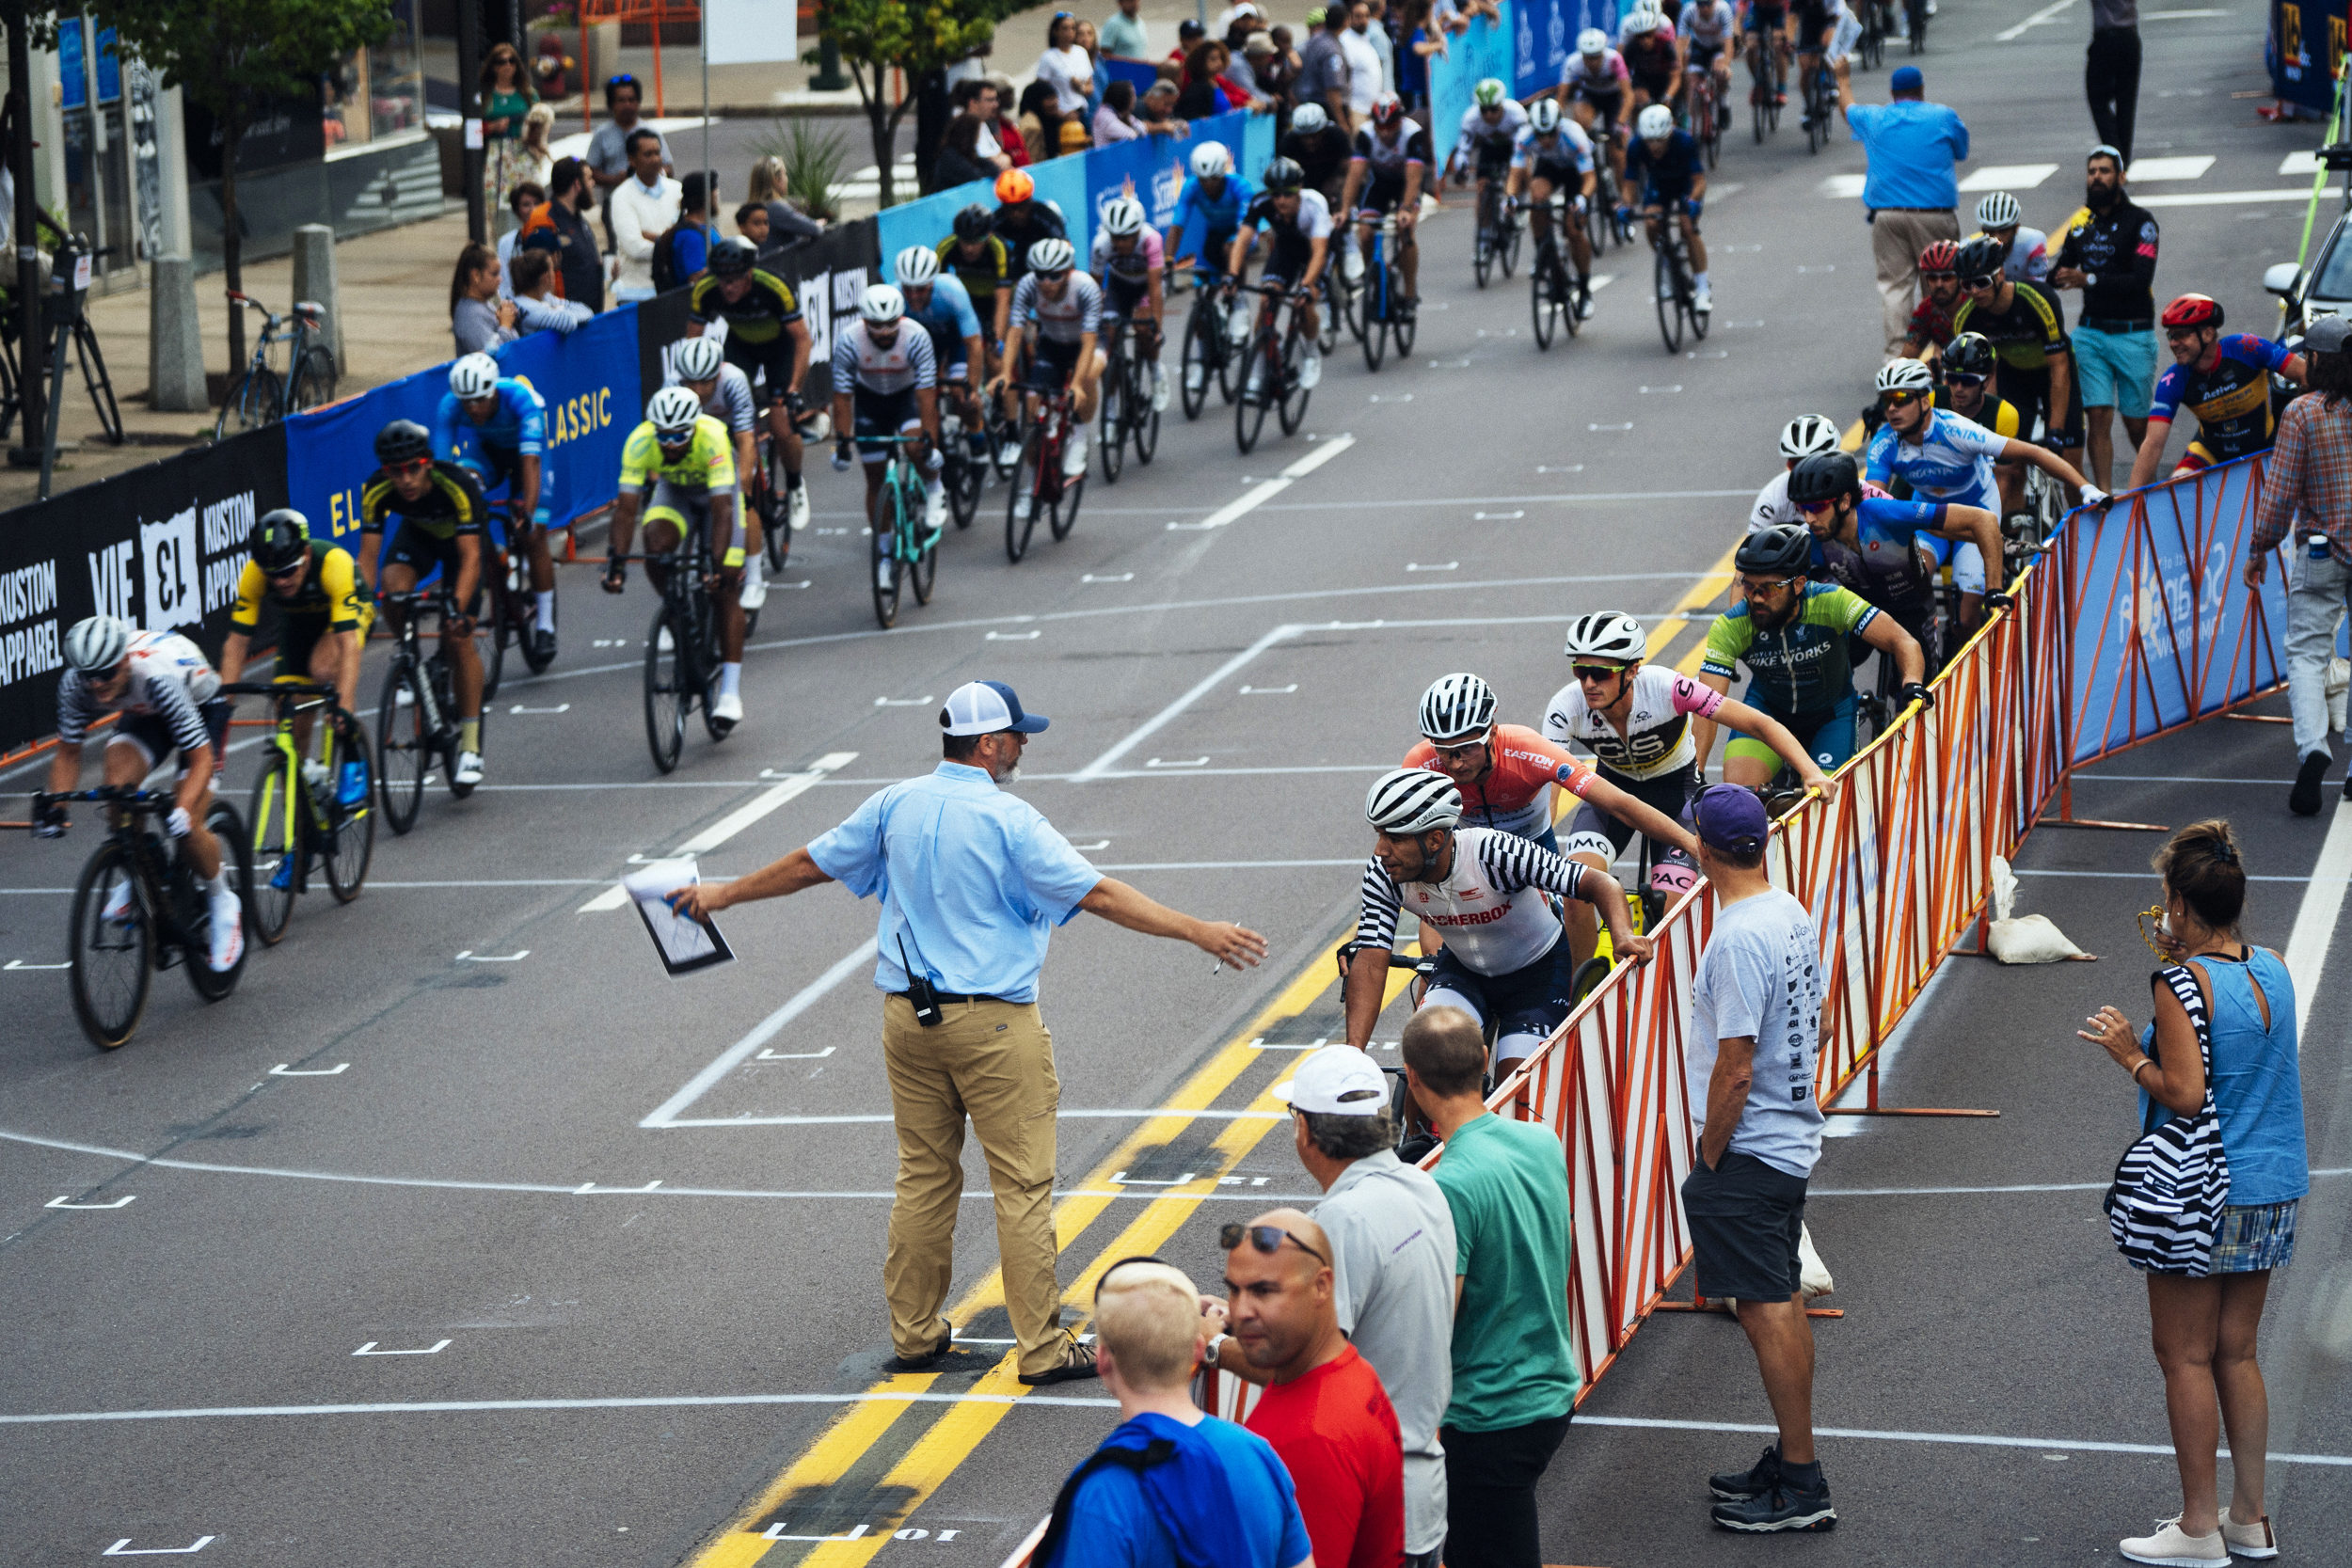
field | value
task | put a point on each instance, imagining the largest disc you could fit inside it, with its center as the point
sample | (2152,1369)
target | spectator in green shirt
(1124,36)
(1514,1374)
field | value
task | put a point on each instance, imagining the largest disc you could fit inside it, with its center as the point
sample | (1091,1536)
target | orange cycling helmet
(1014,186)
(1939,258)
(2193,310)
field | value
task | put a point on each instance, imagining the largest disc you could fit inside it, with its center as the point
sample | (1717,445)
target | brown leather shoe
(930,1358)
(1077,1361)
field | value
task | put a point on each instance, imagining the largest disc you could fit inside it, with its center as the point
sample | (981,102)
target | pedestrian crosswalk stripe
(1843,185)
(2190,167)
(2009,176)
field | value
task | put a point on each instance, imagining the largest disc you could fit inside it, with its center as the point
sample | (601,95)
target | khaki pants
(992,1062)
(1896,241)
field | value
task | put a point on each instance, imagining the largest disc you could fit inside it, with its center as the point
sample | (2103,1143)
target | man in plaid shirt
(2308,485)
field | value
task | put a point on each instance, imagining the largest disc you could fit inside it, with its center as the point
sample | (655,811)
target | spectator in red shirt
(1323,1410)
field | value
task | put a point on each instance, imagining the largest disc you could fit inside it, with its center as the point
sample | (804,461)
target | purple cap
(1730,818)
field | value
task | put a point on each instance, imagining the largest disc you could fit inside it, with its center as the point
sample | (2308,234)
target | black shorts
(878,414)
(1217,249)
(152,735)
(1745,1219)
(1561,174)
(1385,192)
(1051,363)
(1669,793)
(1286,260)
(1493,155)
(1660,85)
(1123,296)
(421,552)
(1608,107)
(773,358)
(2029,392)
(297,639)
(1528,1002)
(1702,55)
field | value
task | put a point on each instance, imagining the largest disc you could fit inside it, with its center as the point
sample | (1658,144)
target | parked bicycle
(307,811)
(262,396)
(1386,309)
(906,548)
(1127,412)
(1270,370)
(416,721)
(1053,494)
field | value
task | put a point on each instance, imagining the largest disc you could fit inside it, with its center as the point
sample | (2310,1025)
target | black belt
(952,996)
(2109,324)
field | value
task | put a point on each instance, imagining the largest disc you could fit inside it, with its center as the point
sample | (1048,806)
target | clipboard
(684,946)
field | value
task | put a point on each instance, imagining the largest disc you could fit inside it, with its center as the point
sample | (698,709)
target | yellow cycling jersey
(707,465)
(329,592)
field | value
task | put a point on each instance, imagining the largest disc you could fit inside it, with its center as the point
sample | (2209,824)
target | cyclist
(163,692)
(2222,380)
(1318,147)
(2026,255)
(678,468)
(1023,223)
(1767,23)
(1130,267)
(322,625)
(1942,455)
(1593,84)
(1486,893)
(1826,34)
(1800,673)
(1707,27)
(1298,244)
(1384,175)
(1939,296)
(1640,722)
(767,336)
(939,303)
(727,396)
(505,419)
(886,382)
(1665,165)
(1884,549)
(1067,309)
(2027,330)
(1653,57)
(1490,126)
(1800,439)
(1969,388)
(1210,204)
(437,516)
(979,261)
(1554,155)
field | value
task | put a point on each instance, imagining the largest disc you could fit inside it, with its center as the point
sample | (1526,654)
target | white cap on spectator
(1338,1080)
(984,707)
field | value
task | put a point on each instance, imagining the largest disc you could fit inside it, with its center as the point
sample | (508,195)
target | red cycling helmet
(1013,187)
(2193,310)
(1387,109)
(1939,258)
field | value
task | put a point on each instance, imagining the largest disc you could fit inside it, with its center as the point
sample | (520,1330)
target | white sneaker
(1666,288)
(1584,308)
(1703,302)
(796,506)
(1074,460)
(1237,325)
(1310,373)
(469,768)
(1352,265)
(228,932)
(2174,1548)
(1159,387)
(935,508)
(2255,1540)
(663,641)
(1021,508)
(886,572)
(118,900)
(404,698)
(1008,455)
(1194,375)
(727,709)
(753,593)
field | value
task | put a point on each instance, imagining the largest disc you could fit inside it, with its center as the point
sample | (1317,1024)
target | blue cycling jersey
(948,318)
(1663,175)
(519,425)
(1951,462)
(1892,560)
(1197,214)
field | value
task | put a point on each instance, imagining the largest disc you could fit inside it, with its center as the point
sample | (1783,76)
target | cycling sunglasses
(414,465)
(1955,378)
(1814,509)
(1463,753)
(1899,400)
(1992,282)
(1766,585)
(1596,671)
(284,572)
(1055,276)
(1266,1239)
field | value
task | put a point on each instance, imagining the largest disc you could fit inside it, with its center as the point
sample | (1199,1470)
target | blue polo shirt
(1913,146)
(973,878)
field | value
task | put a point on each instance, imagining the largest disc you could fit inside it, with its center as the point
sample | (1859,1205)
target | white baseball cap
(983,707)
(1338,1080)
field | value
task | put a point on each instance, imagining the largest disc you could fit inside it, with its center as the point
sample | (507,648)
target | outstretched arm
(1122,905)
(776,879)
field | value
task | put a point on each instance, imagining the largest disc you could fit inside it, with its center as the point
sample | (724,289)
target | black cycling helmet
(731,257)
(402,441)
(1969,353)
(1824,476)
(280,539)
(1282,177)
(972,223)
(1782,549)
(1981,256)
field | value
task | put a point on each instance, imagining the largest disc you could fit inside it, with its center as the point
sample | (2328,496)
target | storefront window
(377,92)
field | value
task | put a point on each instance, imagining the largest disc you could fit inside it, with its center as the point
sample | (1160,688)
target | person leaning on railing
(2307,486)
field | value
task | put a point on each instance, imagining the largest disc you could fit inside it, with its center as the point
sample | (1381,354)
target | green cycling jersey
(1799,667)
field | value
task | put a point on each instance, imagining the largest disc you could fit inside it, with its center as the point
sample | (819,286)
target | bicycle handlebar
(275,688)
(130,796)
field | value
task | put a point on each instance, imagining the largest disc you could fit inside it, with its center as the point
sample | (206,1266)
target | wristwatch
(1216,1346)
(2091,279)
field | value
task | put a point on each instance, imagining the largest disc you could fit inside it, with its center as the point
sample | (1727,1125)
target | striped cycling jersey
(169,676)
(906,362)
(1066,319)
(1491,907)
(1657,737)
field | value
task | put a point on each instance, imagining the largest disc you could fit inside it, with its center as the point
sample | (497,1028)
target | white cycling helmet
(1644,21)
(881,304)
(1210,160)
(1591,40)
(1609,634)
(1998,211)
(1052,255)
(699,358)
(97,645)
(1543,116)
(1806,435)
(916,265)
(476,375)
(1906,375)
(1458,709)
(1411,800)
(1308,119)
(1656,123)
(1489,93)
(672,412)
(1122,217)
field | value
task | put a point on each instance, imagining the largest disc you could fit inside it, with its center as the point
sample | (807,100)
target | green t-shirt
(1507,1184)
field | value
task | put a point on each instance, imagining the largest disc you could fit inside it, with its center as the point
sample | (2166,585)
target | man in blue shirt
(972,881)
(1911,192)
(496,426)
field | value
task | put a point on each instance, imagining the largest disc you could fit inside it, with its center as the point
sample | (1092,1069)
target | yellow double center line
(949,1432)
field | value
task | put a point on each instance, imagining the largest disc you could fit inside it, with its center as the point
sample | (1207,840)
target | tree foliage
(875,35)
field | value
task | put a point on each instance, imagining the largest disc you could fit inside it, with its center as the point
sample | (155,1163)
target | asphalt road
(597,1370)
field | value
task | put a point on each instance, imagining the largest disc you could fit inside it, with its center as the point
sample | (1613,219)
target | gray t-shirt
(1392,1248)
(1761,977)
(608,149)
(1322,69)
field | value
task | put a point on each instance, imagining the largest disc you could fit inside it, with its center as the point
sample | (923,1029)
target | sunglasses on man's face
(1972,284)
(284,572)
(1900,399)
(1957,379)
(1814,509)
(1592,674)
(1265,1237)
(1765,585)
(411,468)
(1053,277)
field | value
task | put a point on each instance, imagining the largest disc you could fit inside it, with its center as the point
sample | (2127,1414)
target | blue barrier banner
(1470,56)
(926,222)
(1139,72)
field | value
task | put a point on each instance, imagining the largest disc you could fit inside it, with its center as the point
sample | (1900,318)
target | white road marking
(1844,187)
(123,1548)
(1209,683)
(287,1069)
(806,997)
(2190,167)
(19,964)
(1258,495)
(369,1349)
(2299,163)
(1968,1439)
(2008,176)
(2315,922)
(735,821)
(68,1203)
(2220,198)
(469,956)
(2041,18)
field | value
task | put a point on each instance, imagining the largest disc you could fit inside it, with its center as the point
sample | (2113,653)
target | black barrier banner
(161,547)
(827,276)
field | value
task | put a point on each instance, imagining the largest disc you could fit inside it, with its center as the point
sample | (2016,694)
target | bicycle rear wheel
(1667,289)
(252,403)
(1111,417)
(1147,413)
(113,956)
(314,378)
(403,748)
(667,689)
(524,599)
(1028,483)
(1512,234)
(923,570)
(776,519)
(1407,324)
(1193,361)
(351,839)
(236,859)
(1294,405)
(496,625)
(1483,237)
(101,387)
(277,850)
(1249,412)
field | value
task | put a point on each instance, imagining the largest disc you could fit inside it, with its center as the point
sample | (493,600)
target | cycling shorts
(1561,174)
(1522,1007)
(773,358)
(1764,19)
(1703,55)
(150,733)
(1050,364)
(1592,827)
(297,639)
(1217,249)
(2028,391)
(1286,260)
(878,414)
(422,553)
(1826,732)
(682,508)
(1608,104)
(1660,85)
(1126,297)
(1492,155)
(498,466)
(1385,192)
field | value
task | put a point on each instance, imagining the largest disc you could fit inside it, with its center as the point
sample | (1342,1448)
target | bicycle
(300,814)
(416,721)
(1703,114)
(513,614)
(1387,310)
(1600,217)
(138,908)
(1204,354)
(1675,290)
(906,548)
(682,649)
(1768,74)
(1495,241)
(1551,292)
(966,464)
(1821,104)
(1045,485)
(262,397)
(1127,407)
(1275,352)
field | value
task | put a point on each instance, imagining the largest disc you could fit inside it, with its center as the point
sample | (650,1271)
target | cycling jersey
(2119,248)
(451,506)
(1889,564)
(1583,79)
(1043,223)
(1478,136)
(730,400)
(1322,157)
(1997,415)
(949,319)
(518,424)
(1775,508)
(1667,175)
(1514,797)
(1066,319)
(1649,58)
(1709,22)
(1198,213)
(1798,668)
(329,594)
(1568,149)
(981,277)
(1930,322)
(1491,908)
(2029,259)
(707,467)
(1136,266)
(906,363)
(1951,462)
(2026,335)
(169,677)
(2232,401)
(760,317)
(1388,158)
(1312,221)
(1657,737)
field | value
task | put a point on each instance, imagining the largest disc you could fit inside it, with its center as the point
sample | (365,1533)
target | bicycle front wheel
(1668,289)
(1400,307)
(236,861)
(1511,236)
(923,570)
(496,625)
(101,387)
(1249,410)
(1064,514)
(889,528)
(1021,500)
(112,947)
(277,820)
(1110,419)
(350,838)
(1295,397)
(667,696)
(1194,362)
(1544,306)
(403,748)
(253,402)
(314,379)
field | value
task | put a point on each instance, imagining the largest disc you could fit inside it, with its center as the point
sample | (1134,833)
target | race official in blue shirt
(972,881)
(1910,191)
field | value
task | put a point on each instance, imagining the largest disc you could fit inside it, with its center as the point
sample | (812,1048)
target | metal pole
(702,37)
(31,393)
(469,111)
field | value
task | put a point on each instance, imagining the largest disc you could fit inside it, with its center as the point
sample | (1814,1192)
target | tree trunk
(232,241)
(931,116)
(32,391)
(884,122)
